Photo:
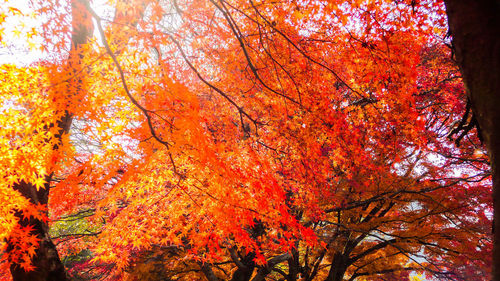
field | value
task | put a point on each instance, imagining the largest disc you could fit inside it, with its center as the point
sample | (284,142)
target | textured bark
(294,265)
(209,273)
(338,268)
(48,265)
(474,26)
(246,266)
(46,260)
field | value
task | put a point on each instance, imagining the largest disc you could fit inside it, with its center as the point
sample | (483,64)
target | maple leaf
(239,139)
(39,183)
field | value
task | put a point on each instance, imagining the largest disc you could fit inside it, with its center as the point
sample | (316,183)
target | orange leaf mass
(240,140)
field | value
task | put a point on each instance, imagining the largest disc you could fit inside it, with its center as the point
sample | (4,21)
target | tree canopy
(239,140)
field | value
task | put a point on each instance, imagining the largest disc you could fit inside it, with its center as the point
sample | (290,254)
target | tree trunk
(48,266)
(338,268)
(294,265)
(46,260)
(245,268)
(474,26)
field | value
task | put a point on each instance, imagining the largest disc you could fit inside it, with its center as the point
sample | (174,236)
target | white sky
(15,47)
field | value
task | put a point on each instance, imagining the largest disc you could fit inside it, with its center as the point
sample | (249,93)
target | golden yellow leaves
(11,201)
(18,32)
(272,124)
(28,133)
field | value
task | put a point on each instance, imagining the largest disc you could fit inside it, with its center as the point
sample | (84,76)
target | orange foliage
(213,136)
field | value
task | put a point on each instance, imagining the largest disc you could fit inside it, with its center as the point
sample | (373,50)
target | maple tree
(242,140)
(32,136)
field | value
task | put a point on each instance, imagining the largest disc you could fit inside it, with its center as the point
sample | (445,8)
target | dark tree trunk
(209,273)
(338,268)
(48,266)
(294,265)
(245,268)
(46,260)
(474,26)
